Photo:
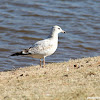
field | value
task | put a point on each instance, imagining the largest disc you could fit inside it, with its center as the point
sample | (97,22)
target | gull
(43,48)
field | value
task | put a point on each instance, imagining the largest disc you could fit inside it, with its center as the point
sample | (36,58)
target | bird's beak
(63,31)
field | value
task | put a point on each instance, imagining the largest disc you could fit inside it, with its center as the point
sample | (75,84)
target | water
(23,22)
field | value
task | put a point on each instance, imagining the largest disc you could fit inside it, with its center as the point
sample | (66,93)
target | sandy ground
(77,79)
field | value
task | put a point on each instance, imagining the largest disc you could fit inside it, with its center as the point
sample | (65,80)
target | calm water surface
(23,22)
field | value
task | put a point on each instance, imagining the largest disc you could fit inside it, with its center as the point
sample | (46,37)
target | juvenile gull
(43,48)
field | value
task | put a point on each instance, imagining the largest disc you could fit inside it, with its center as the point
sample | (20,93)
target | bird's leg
(44,62)
(40,63)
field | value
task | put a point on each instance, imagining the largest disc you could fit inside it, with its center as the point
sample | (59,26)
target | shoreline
(72,80)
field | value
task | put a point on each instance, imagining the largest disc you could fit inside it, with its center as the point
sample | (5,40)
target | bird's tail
(17,54)
(24,52)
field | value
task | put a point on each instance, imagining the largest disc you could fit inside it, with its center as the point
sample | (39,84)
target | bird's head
(57,29)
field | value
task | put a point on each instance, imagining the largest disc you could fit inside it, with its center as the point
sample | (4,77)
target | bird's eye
(59,28)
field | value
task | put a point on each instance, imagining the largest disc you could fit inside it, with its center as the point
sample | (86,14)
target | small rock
(82,66)
(21,74)
(27,75)
(87,61)
(75,65)
(66,75)
(45,72)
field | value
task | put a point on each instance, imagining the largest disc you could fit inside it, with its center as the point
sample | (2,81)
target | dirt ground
(77,79)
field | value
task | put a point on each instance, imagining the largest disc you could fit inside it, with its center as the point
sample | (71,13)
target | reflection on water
(22,23)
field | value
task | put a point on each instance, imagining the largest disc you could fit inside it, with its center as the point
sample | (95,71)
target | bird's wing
(41,47)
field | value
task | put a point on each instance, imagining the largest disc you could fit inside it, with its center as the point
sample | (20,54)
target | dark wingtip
(16,54)
(13,55)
